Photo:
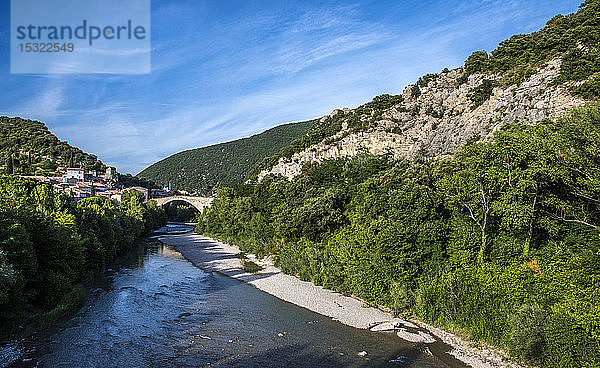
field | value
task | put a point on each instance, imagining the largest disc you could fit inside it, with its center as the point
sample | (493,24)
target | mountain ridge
(528,78)
(202,170)
(440,118)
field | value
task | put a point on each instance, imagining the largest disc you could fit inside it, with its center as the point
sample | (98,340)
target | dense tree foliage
(482,93)
(202,170)
(502,241)
(32,149)
(181,211)
(128,181)
(574,37)
(49,243)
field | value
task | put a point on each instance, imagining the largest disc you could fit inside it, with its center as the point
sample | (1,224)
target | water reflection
(155,309)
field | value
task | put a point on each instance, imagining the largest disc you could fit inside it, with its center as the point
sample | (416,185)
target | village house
(75,173)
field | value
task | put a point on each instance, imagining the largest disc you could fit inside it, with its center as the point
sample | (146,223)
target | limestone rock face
(442,118)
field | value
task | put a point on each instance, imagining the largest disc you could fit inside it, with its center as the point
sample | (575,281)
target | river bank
(153,307)
(215,256)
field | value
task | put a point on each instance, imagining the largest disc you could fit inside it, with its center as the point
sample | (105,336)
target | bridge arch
(198,202)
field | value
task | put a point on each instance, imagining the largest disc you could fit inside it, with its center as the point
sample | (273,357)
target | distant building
(113,195)
(75,173)
(116,198)
(79,192)
(111,174)
(100,187)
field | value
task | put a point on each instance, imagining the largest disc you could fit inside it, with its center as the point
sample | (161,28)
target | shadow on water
(153,308)
(304,355)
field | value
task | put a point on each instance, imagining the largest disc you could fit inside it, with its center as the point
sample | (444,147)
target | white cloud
(205,90)
(47,103)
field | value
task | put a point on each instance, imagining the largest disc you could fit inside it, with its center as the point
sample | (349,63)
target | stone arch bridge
(199,202)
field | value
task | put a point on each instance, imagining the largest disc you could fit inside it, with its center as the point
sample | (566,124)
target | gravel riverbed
(215,256)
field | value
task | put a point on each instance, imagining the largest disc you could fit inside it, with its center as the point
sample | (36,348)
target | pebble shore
(214,256)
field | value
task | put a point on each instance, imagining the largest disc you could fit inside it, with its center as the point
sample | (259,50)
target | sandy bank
(214,256)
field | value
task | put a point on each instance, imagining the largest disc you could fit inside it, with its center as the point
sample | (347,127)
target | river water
(153,308)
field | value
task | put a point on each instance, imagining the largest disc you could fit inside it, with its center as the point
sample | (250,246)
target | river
(153,308)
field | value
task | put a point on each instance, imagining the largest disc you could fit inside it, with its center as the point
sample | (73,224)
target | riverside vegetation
(49,244)
(500,241)
(467,201)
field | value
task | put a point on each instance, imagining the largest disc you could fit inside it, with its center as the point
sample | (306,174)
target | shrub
(477,62)
(527,332)
(590,89)
(482,93)
(251,267)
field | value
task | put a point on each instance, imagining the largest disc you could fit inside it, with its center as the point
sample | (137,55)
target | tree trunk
(482,248)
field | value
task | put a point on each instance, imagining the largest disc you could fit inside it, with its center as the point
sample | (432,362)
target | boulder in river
(385,326)
(419,337)
(392,325)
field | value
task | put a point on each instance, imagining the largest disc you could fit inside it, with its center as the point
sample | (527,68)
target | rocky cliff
(440,113)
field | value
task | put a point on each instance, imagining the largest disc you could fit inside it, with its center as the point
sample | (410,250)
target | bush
(590,89)
(251,267)
(402,297)
(482,93)
(478,62)
(527,332)
(568,345)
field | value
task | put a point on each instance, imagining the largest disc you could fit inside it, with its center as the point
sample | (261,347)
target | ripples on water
(158,310)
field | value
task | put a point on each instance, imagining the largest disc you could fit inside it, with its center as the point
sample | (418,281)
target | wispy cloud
(222,70)
(47,103)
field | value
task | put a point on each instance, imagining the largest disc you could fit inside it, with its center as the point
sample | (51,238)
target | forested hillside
(501,241)
(34,150)
(202,170)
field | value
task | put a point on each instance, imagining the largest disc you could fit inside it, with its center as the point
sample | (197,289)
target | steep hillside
(201,170)
(528,78)
(35,150)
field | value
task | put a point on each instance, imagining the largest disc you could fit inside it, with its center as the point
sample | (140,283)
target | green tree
(49,243)
(10,165)
(476,63)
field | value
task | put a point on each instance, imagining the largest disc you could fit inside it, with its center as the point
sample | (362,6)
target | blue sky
(223,70)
